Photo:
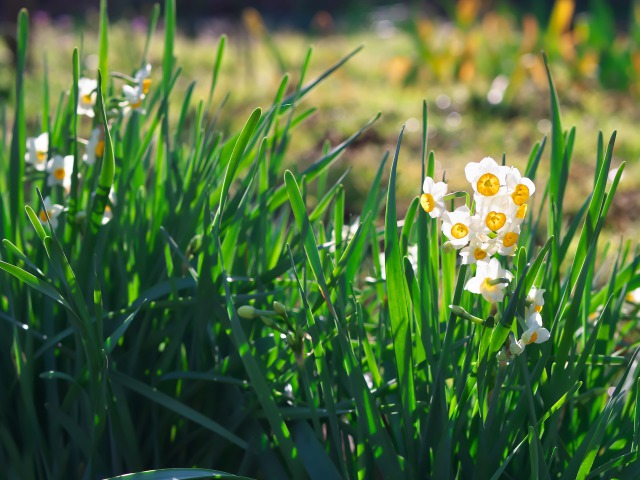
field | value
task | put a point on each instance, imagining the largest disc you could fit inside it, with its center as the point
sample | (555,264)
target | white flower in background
(142,78)
(520,188)
(633,296)
(486,177)
(456,226)
(87,96)
(37,151)
(535,332)
(108,213)
(432,200)
(412,255)
(534,301)
(612,175)
(95,147)
(53,210)
(133,96)
(480,247)
(490,281)
(60,169)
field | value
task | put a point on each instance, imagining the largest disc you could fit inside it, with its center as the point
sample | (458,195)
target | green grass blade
(399,314)
(103,56)
(18,140)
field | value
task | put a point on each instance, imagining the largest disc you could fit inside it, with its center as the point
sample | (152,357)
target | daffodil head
(490,281)
(52,210)
(534,300)
(133,96)
(37,151)
(486,177)
(60,169)
(535,332)
(456,226)
(87,94)
(519,188)
(432,199)
(480,247)
(95,147)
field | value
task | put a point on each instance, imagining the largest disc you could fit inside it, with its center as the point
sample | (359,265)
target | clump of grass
(188,308)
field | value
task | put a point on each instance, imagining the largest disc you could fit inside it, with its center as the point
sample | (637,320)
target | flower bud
(247,311)
(279,309)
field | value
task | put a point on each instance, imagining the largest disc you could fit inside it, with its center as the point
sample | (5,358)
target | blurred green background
(478,65)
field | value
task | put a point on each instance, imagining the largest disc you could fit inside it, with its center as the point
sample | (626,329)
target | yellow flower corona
(522,211)
(488,184)
(459,230)
(510,239)
(59,173)
(495,220)
(427,202)
(479,254)
(520,194)
(100,148)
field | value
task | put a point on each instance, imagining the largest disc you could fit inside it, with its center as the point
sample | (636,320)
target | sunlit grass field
(464,125)
(194,285)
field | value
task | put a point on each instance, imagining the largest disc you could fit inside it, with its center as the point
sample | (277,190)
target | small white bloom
(142,78)
(520,188)
(456,226)
(486,177)
(486,275)
(633,296)
(60,169)
(535,332)
(492,213)
(612,175)
(480,247)
(133,96)
(53,210)
(432,200)
(534,301)
(37,151)
(87,96)
(508,238)
(95,147)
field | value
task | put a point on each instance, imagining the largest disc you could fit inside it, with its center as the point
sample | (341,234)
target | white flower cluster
(500,200)
(58,167)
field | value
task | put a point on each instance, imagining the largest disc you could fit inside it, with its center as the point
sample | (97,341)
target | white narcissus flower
(480,247)
(95,147)
(535,332)
(53,210)
(492,213)
(142,78)
(520,188)
(534,301)
(37,151)
(486,177)
(507,240)
(456,226)
(133,96)
(87,96)
(432,200)
(490,281)
(60,169)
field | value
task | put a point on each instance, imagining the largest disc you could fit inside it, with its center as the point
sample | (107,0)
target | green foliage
(210,312)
